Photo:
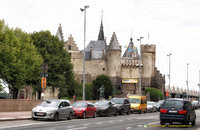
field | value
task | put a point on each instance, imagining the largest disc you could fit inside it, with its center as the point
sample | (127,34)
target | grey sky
(173,25)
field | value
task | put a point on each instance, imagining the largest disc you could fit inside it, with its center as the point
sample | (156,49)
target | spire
(101,33)
(59,33)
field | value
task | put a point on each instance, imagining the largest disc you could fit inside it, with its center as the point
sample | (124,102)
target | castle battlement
(130,62)
(148,48)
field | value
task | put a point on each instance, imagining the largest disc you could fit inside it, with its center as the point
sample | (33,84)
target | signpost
(44,74)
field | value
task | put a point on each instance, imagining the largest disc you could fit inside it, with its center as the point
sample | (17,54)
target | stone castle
(124,72)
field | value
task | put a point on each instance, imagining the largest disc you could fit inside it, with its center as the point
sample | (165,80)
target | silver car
(151,106)
(55,109)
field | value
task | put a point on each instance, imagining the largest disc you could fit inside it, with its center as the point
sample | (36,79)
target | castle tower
(113,57)
(148,61)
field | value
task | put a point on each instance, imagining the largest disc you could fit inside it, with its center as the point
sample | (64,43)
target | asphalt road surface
(147,121)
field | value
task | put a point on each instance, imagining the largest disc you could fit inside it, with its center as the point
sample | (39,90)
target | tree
(60,69)
(19,59)
(155,94)
(108,87)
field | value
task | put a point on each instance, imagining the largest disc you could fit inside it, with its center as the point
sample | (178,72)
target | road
(121,122)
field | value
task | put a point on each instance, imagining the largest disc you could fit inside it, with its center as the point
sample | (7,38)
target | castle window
(69,47)
(103,69)
(130,71)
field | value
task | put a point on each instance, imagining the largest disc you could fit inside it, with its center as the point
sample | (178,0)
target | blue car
(177,110)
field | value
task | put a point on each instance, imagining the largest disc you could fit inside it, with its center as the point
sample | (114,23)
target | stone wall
(8,105)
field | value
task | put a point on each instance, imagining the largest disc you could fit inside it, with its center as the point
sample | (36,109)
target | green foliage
(19,59)
(60,69)
(155,94)
(105,81)
(88,91)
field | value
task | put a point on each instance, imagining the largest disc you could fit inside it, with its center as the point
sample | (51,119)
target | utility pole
(169,73)
(140,82)
(84,9)
(187,83)
(199,85)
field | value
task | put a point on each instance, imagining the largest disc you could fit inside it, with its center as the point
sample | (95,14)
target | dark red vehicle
(84,109)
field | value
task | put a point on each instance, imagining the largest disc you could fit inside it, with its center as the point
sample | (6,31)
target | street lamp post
(169,73)
(84,9)
(140,82)
(199,85)
(187,82)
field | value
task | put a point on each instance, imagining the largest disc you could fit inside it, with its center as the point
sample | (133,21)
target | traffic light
(42,82)
(45,82)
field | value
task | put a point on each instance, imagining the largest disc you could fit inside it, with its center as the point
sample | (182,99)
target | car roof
(60,100)
(177,99)
(119,98)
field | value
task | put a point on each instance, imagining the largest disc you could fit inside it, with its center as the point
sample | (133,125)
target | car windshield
(79,104)
(134,100)
(150,103)
(49,103)
(173,103)
(104,104)
(118,101)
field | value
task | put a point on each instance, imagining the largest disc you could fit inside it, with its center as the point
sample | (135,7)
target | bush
(155,94)
(108,87)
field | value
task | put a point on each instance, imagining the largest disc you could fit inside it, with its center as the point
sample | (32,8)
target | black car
(122,104)
(106,108)
(177,110)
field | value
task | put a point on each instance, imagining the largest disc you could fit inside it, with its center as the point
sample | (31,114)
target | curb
(13,119)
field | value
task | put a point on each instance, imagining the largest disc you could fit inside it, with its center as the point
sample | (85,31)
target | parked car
(106,108)
(177,110)
(122,104)
(138,103)
(84,109)
(55,109)
(151,106)
(195,104)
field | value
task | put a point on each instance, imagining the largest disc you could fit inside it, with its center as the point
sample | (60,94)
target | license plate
(171,111)
(40,114)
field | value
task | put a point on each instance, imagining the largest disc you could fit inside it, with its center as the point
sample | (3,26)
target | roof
(114,45)
(131,50)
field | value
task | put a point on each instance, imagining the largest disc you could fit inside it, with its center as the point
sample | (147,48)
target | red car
(84,109)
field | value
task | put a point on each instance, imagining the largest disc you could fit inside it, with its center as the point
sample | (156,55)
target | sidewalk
(8,116)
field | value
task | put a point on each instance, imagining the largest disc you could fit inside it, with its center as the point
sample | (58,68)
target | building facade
(124,71)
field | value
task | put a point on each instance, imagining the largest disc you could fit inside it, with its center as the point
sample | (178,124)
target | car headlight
(34,109)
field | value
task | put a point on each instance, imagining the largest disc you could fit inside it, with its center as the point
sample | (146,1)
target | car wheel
(70,116)
(115,114)
(194,122)
(34,118)
(129,111)
(140,111)
(95,115)
(56,117)
(162,122)
(122,112)
(84,115)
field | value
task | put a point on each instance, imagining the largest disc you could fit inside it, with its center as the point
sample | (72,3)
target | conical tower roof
(131,50)
(114,45)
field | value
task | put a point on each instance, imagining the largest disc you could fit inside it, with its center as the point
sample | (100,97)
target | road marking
(153,123)
(127,128)
(99,123)
(140,125)
(79,128)
(70,126)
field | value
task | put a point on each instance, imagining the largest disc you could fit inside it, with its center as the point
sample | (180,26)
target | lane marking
(127,128)
(153,123)
(79,128)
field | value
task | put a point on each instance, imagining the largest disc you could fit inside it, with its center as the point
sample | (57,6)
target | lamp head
(86,6)
(82,9)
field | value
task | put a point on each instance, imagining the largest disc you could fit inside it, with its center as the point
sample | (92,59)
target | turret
(148,60)
(113,57)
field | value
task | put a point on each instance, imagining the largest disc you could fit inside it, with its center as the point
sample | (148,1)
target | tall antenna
(102,15)
(148,37)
